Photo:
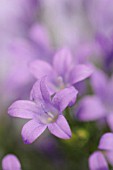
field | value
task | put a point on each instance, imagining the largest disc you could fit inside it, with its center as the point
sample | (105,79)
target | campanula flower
(11,162)
(63,72)
(44,111)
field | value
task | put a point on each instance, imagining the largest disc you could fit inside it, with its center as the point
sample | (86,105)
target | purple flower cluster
(45,107)
(47,82)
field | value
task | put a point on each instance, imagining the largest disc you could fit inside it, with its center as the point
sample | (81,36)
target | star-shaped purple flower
(44,111)
(63,72)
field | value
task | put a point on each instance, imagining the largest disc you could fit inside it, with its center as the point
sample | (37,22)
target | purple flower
(99,105)
(18,55)
(106,47)
(63,72)
(100,16)
(11,162)
(44,112)
(99,160)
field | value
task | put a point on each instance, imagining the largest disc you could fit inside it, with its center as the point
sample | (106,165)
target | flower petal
(23,109)
(40,68)
(40,93)
(60,128)
(39,34)
(106,142)
(64,98)
(90,108)
(35,94)
(32,130)
(109,155)
(62,62)
(79,73)
(99,82)
(44,90)
(97,161)
(11,162)
(110,120)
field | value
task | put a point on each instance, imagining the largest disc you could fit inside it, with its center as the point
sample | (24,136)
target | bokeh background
(36,29)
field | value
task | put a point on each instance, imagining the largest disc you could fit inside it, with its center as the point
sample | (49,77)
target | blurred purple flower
(20,53)
(44,112)
(100,16)
(101,19)
(100,104)
(99,160)
(11,162)
(21,15)
(66,29)
(63,72)
(106,47)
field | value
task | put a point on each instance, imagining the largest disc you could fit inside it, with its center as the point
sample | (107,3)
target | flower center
(51,117)
(60,82)
(49,114)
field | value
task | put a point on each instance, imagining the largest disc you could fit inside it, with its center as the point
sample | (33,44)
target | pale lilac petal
(64,98)
(23,109)
(39,34)
(109,156)
(32,130)
(99,82)
(35,94)
(97,161)
(79,73)
(90,108)
(110,121)
(40,93)
(106,142)
(40,68)
(11,162)
(60,128)
(44,90)
(62,62)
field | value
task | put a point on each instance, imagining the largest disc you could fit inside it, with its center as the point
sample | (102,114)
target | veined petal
(60,128)
(62,62)
(32,130)
(11,162)
(97,161)
(106,142)
(79,73)
(64,98)
(44,90)
(35,94)
(23,109)
(40,68)
(90,108)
